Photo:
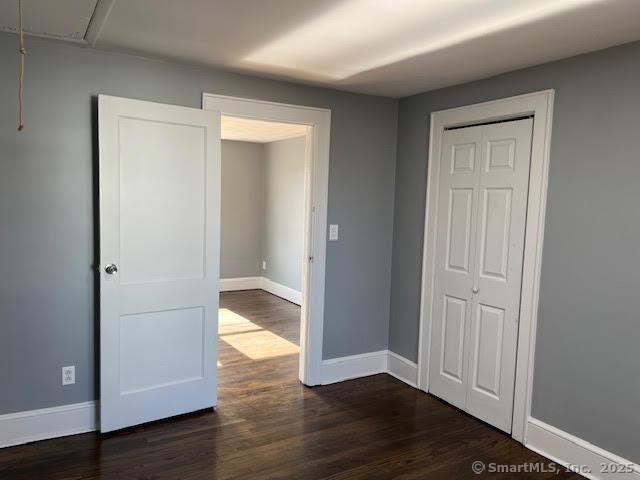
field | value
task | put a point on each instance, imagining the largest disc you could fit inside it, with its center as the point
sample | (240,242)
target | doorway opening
(160,259)
(263,191)
(309,126)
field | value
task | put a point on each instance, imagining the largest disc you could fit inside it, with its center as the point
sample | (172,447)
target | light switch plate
(333,232)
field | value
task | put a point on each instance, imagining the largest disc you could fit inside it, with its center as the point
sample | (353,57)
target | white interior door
(159,254)
(482,203)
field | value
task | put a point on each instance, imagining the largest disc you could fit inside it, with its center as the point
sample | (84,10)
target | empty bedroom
(319,239)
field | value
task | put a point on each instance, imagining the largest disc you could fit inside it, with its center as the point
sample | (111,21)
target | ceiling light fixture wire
(21,74)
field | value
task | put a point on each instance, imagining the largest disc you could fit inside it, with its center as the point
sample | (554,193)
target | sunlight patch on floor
(229,323)
(250,339)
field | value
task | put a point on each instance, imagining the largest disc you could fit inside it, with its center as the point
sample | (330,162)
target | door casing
(540,105)
(316,196)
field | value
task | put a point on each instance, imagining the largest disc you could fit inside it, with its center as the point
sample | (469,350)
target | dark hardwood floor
(267,425)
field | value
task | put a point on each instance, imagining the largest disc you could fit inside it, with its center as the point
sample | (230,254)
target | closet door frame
(540,106)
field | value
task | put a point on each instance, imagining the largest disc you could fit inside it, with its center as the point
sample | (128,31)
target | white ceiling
(64,19)
(259,131)
(384,47)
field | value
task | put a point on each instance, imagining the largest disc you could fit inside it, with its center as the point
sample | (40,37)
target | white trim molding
(98,21)
(354,366)
(577,454)
(540,105)
(315,206)
(240,283)
(281,291)
(261,283)
(366,364)
(402,368)
(33,425)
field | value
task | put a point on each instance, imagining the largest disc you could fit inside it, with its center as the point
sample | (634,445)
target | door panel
(496,220)
(455,257)
(159,224)
(459,234)
(161,234)
(481,214)
(145,360)
(500,155)
(464,158)
(503,185)
(488,349)
(454,316)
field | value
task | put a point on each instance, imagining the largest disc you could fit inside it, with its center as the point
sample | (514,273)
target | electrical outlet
(333,232)
(264,264)
(68,375)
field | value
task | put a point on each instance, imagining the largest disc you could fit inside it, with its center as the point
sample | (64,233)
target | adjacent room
(262,229)
(319,239)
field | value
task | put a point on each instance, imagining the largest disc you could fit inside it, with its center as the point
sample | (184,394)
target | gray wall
(284,211)
(587,360)
(262,212)
(242,209)
(48,236)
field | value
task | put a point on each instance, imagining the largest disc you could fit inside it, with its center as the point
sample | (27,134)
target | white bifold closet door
(482,203)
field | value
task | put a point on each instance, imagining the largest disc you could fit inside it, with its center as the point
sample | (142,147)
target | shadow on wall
(95,268)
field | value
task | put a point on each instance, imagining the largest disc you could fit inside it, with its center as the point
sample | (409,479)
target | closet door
(455,260)
(503,189)
(482,202)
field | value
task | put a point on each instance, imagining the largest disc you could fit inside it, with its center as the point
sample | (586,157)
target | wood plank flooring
(268,426)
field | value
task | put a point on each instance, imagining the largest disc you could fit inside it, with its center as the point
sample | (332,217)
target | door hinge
(310,258)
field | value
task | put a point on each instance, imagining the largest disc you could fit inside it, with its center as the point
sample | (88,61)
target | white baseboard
(240,283)
(578,454)
(33,425)
(281,291)
(354,366)
(402,369)
(365,364)
(261,283)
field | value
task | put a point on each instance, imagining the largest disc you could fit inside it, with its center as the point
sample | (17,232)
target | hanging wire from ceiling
(21,75)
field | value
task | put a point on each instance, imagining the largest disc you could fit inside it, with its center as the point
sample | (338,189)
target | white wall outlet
(68,375)
(333,232)
(264,264)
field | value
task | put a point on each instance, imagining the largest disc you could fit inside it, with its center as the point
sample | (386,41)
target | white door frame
(540,105)
(316,195)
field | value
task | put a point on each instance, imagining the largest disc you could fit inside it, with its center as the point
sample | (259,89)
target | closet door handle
(475,290)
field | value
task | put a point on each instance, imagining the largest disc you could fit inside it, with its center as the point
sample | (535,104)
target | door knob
(111,269)
(475,290)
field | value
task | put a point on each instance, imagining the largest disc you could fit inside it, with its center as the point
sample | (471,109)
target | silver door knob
(111,269)
(475,290)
